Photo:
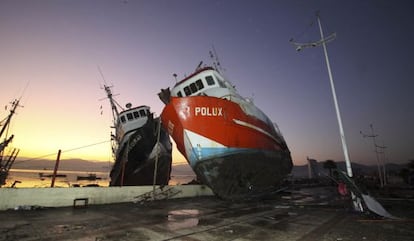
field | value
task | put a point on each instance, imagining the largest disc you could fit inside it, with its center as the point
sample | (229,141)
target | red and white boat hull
(234,153)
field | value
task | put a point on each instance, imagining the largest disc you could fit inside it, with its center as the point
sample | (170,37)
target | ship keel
(245,175)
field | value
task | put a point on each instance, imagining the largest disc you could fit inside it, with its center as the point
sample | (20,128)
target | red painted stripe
(214,118)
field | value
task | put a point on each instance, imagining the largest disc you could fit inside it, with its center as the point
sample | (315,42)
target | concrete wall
(11,198)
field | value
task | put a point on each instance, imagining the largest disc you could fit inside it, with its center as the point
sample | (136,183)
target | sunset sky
(51,50)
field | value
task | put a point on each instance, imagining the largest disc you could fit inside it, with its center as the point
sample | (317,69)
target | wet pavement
(307,214)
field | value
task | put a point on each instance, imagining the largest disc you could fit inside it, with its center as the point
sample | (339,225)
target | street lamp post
(338,113)
(323,41)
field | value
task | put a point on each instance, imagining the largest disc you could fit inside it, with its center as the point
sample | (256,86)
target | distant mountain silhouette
(357,168)
(64,165)
(83,165)
(183,169)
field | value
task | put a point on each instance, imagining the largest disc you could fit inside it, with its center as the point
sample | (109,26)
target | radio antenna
(216,61)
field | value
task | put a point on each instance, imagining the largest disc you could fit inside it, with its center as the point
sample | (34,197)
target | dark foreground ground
(306,214)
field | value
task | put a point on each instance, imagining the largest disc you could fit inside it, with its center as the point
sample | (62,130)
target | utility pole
(55,169)
(373,136)
(383,163)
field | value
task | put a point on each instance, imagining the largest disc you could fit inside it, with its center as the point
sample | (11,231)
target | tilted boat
(6,163)
(141,147)
(231,145)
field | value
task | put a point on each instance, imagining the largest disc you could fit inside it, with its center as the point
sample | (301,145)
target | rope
(156,159)
(68,150)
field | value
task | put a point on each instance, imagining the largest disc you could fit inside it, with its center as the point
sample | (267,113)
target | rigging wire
(108,86)
(63,151)
(23,92)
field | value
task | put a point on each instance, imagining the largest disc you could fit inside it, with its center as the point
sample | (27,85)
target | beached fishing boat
(141,147)
(231,145)
(6,162)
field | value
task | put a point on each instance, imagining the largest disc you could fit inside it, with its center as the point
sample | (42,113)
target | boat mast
(114,104)
(109,95)
(115,113)
(15,104)
(5,166)
(216,61)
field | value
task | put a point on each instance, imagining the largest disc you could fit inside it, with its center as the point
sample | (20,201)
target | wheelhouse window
(187,91)
(193,87)
(199,84)
(129,116)
(123,120)
(142,112)
(210,80)
(221,83)
(136,114)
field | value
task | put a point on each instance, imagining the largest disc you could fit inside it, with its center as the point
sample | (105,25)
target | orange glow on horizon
(92,151)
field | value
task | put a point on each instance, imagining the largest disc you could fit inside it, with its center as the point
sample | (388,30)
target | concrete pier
(14,198)
(312,214)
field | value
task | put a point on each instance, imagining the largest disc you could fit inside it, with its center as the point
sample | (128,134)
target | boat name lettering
(208,111)
(133,142)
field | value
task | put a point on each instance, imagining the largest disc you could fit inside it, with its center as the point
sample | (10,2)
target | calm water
(32,178)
